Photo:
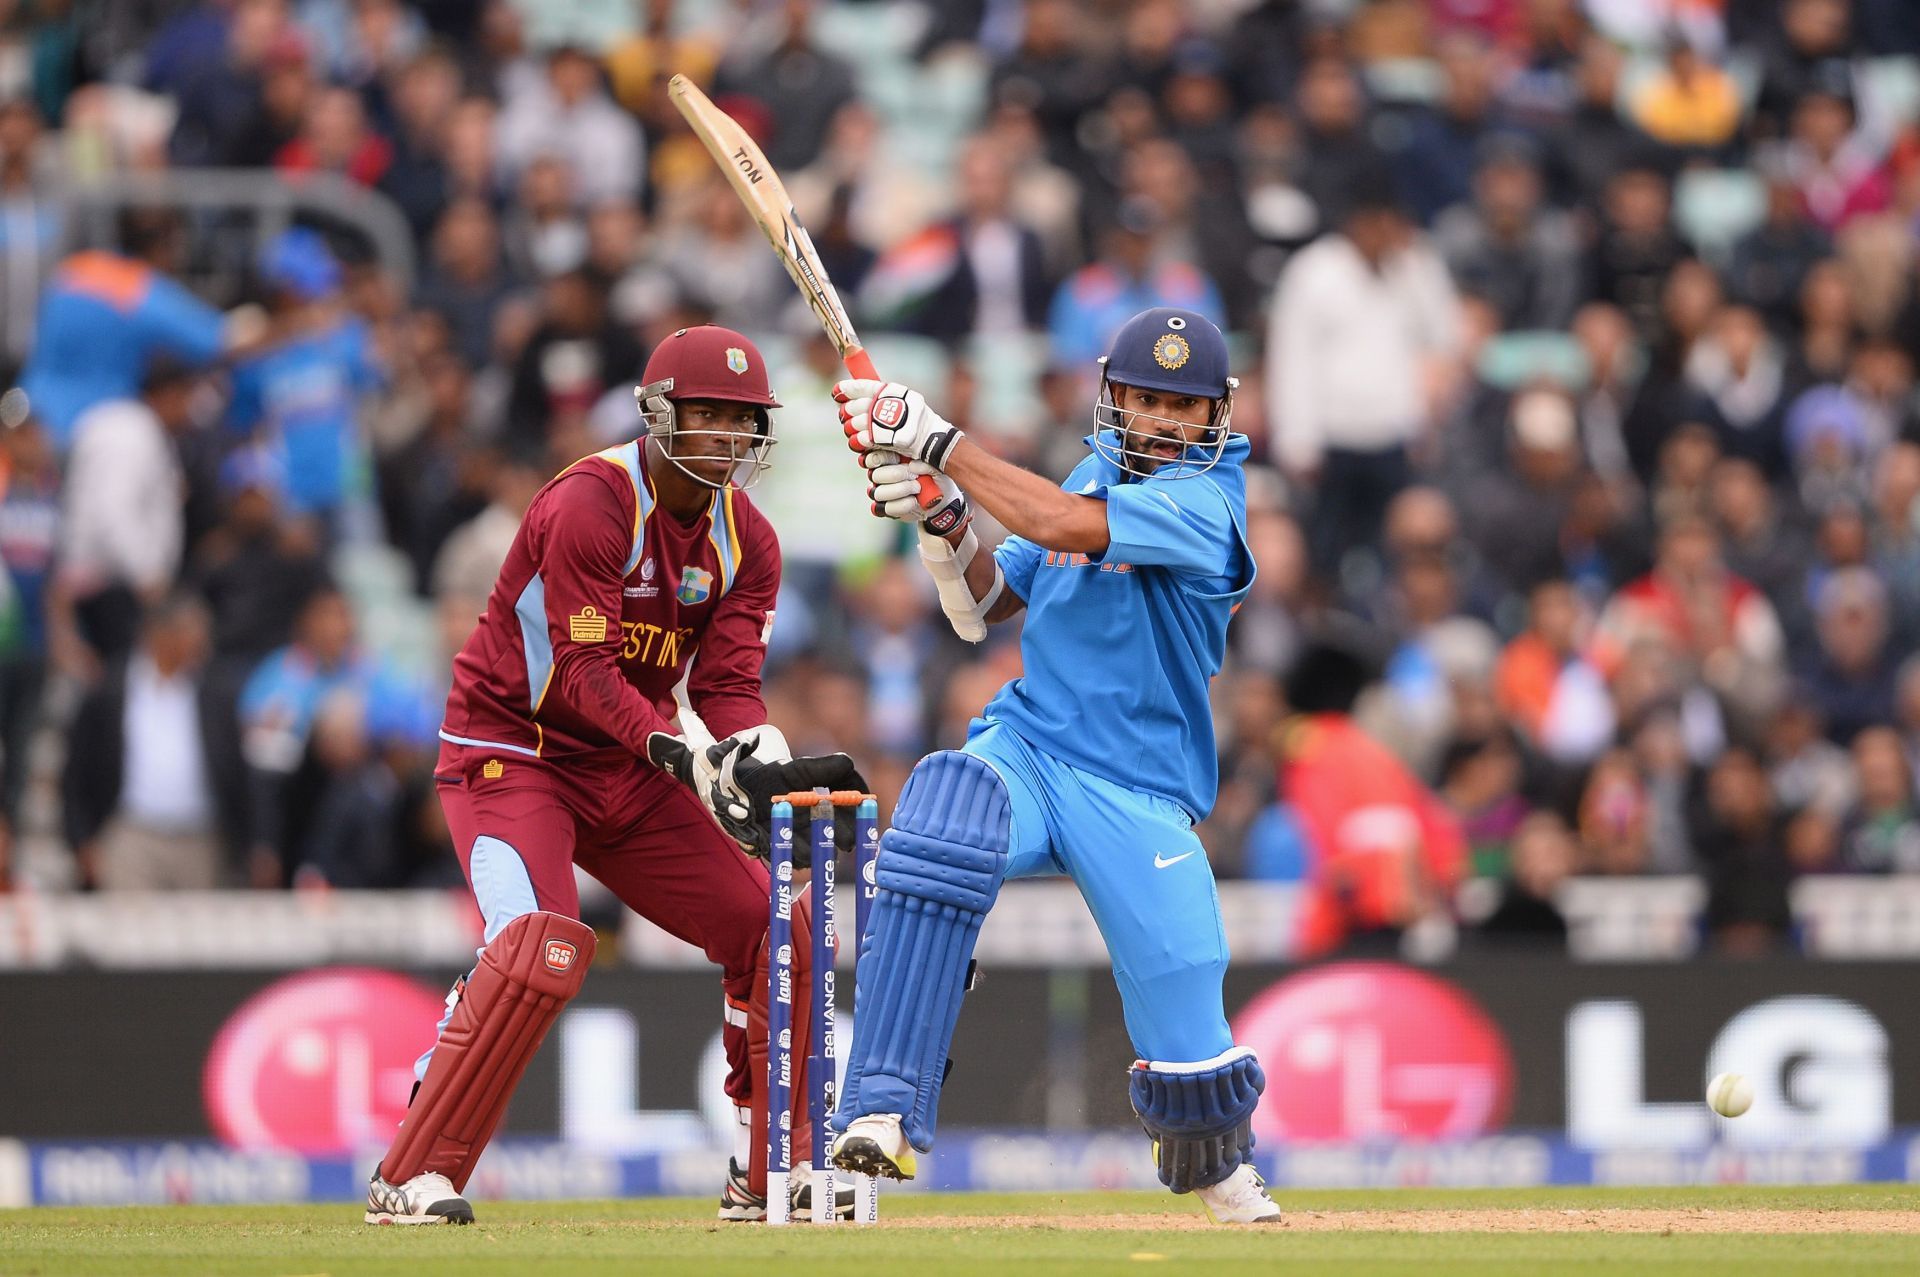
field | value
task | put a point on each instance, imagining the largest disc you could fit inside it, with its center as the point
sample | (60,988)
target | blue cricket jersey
(304,394)
(1118,650)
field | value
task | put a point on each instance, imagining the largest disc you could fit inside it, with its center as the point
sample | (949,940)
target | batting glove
(893,492)
(888,416)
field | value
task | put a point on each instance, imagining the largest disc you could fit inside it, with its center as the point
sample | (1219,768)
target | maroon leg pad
(522,982)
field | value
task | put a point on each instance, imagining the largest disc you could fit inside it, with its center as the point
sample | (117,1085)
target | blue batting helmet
(1170,349)
(1176,352)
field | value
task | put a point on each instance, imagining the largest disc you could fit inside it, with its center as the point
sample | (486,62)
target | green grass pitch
(1743,1231)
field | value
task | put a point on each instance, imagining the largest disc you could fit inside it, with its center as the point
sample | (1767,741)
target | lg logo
(1818,1066)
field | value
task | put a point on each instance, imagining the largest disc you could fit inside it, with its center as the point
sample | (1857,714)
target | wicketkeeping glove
(889,416)
(739,789)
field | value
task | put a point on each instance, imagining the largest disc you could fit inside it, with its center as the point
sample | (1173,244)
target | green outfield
(1744,1231)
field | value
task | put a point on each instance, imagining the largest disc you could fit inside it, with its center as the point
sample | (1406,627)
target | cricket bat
(760,189)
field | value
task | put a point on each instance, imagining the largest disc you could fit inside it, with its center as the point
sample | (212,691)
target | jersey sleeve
(181,324)
(724,683)
(1019,559)
(1185,526)
(582,569)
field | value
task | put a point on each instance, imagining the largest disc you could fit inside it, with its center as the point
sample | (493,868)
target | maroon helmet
(708,363)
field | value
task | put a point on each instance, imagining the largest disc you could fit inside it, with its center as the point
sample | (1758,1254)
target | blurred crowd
(1576,339)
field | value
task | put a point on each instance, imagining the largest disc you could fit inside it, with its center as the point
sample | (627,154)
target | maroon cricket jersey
(604,605)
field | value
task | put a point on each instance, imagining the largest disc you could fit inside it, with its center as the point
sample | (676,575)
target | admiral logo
(493,769)
(889,412)
(587,626)
(560,955)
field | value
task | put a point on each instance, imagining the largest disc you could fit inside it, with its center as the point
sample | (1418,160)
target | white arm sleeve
(947,565)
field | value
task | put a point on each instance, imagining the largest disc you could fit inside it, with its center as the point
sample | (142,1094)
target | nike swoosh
(1161,862)
(1091,485)
(1177,510)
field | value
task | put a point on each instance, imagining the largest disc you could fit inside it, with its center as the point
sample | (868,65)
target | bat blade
(760,189)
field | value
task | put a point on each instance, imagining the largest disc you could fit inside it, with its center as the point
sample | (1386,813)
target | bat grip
(860,364)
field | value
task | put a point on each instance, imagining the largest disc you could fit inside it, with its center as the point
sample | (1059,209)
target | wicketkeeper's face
(712,437)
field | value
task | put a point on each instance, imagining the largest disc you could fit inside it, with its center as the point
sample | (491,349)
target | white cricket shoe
(1240,1198)
(424,1199)
(875,1144)
(800,1194)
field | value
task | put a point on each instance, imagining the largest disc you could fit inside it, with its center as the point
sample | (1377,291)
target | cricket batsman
(626,631)
(1094,764)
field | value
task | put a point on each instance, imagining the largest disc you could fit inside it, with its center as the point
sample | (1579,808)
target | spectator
(1376,876)
(1770,263)
(300,397)
(1852,677)
(574,356)
(800,85)
(1809,773)
(254,570)
(277,712)
(1544,856)
(1614,819)
(468,560)
(362,835)
(106,316)
(1340,163)
(1810,48)
(1882,831)
(1535,489)
(425,95)
(1128,277)
(1720,625)
(1480,780)
(1692,104)
(1545,687)
(142,808)
(569,117)
(123,529)
(36,224)
(996,284)
(1636,249)
(1593,142)
(1761,541)
(1837,170)
(1442,143)
(1741,838)
(29,535)
(466,282)
(336,138)
(1522,258)
(1357,321)
(1052,74)
(1740,368)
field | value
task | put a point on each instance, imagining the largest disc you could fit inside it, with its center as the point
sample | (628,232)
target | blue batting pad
(940,867)
(1200,1115)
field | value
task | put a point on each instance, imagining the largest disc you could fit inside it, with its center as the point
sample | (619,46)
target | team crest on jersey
(1171,351)
(695,585)
(737,360)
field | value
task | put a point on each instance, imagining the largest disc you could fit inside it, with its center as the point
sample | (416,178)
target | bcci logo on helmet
(560,955)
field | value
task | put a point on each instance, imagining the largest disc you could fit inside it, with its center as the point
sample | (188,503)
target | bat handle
(860,364)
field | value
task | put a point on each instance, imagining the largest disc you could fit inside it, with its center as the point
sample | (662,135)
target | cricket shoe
(876,1145)
(739,1204)
(424,1199)
(800,1189)
(1240,1198)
